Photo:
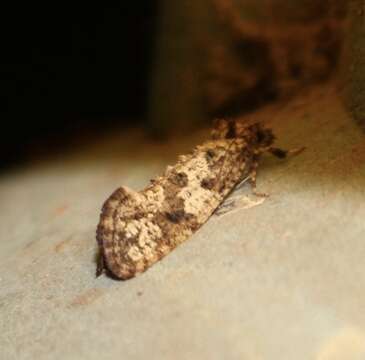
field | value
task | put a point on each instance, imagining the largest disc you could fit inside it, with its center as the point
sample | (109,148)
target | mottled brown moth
(137,229)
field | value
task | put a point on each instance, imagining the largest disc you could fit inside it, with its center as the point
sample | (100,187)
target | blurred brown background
(73,69)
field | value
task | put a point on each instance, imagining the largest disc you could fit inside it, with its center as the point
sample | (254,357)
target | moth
(137,229)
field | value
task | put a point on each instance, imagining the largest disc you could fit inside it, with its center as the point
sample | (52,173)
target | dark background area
(72,67)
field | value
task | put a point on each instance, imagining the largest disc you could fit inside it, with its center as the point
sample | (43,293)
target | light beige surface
(281,280)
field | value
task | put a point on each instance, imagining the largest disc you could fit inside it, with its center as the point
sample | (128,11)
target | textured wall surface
(228,57)
(281,279)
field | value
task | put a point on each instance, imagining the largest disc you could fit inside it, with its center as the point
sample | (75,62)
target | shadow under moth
(137,229)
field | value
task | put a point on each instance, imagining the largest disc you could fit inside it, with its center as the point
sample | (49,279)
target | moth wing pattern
(137,229)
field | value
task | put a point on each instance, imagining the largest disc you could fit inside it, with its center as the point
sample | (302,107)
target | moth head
(254,133)
(264,138)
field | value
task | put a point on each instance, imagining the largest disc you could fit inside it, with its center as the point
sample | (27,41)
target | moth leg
(252,180)
(240,184)
(282,154)
(233,203)
(227,206)
(254,188)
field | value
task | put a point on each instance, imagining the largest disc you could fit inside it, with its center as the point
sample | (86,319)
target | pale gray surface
(282,280)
